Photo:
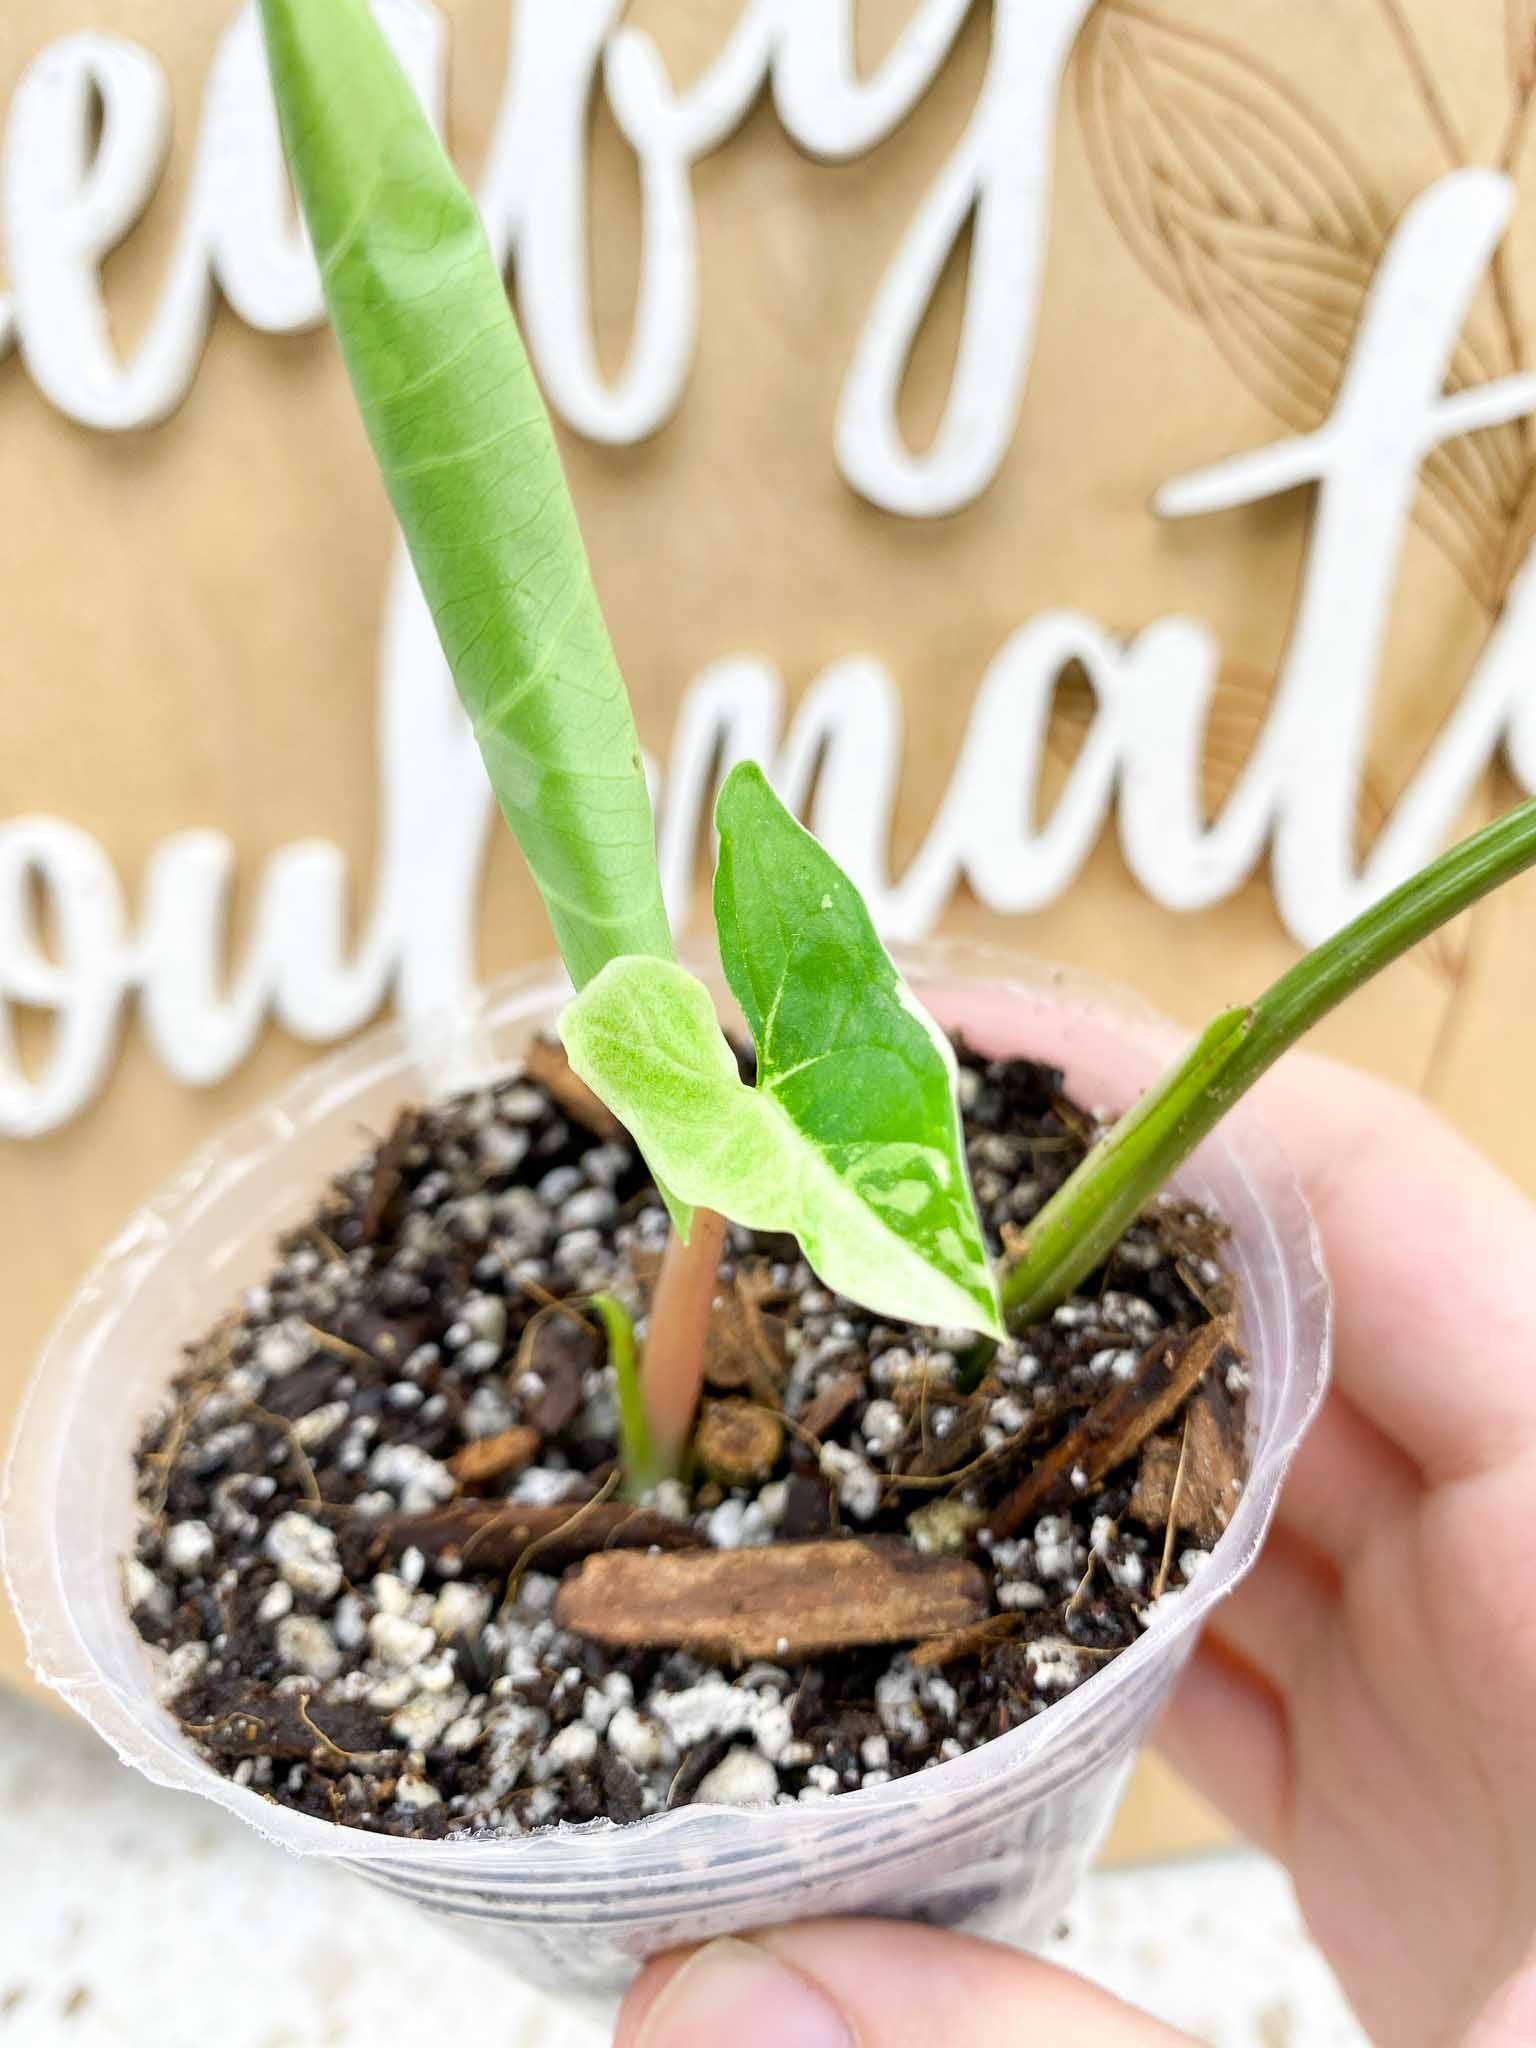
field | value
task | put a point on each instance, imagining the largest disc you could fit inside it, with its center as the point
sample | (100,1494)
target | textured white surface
(131,1917)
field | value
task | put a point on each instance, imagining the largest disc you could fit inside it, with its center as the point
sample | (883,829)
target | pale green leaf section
(464,444)
(644,1035)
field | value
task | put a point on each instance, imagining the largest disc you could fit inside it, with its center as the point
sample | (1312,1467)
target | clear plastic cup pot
(993,1842)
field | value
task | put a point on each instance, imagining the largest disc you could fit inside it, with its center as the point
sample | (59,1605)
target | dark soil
(368,1506)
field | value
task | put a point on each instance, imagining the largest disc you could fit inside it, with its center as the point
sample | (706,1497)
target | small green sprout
(851,1138)
(638,1456)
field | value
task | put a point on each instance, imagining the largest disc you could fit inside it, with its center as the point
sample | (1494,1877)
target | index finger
(1432,1255)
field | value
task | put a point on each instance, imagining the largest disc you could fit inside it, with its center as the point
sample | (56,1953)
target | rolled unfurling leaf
(468,456)
(851,1140)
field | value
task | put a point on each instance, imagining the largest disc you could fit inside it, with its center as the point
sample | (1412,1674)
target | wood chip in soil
(791,1600)
(1210,1446)
(495,1457)
(746,1343)
(1115,1428)
(738,1442)
(495,1535)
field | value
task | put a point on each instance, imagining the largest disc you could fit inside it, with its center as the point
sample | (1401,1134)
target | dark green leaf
(843,1047)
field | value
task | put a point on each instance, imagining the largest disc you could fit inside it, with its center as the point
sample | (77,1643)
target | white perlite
(883,1427)
(1058,1555)
(275,1602)
(1008,1414)
(512,1731)
(461,1610)
(935,1691)
(537,1592)
(486,1315)
(1021,1594)
(1128,1572)
(774,1736)
(742,1778)
(417,1793)
(772,1501)
(712,1707)
(543,1487)
(349,1621)
(1054,1664)
(419,1481)
(182,1667)
(858,1485)
(188,1547)
(143,1592)
(737,1525)
(575,1744)
(1116,1361)
(635,1738)
(896,1701)
(487,1412)
(280,1350)
(421,1721)
(320,1424)
(391,1595)
(304,1551)
(602,1702)
(305,1644)
(400,1642)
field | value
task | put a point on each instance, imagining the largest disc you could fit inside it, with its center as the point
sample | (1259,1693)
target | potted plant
(648,1436)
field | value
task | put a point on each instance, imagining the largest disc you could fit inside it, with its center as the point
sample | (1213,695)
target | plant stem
(673,1374)
(637,1453)
(1080,1224)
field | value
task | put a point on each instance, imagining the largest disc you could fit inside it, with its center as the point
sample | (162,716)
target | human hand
(1364,1706)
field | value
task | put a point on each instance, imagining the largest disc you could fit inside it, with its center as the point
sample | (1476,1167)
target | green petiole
(1121,1174)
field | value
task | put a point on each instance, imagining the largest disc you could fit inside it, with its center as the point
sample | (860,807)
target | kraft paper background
(191,613)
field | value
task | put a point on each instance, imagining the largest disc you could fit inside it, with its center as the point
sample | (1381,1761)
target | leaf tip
(746,786)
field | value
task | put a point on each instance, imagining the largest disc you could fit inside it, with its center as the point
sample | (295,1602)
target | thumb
(871,1984)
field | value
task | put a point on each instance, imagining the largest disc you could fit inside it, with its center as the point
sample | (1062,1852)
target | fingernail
(735,1993)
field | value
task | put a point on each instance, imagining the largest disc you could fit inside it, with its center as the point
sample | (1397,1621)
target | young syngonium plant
(850,1138)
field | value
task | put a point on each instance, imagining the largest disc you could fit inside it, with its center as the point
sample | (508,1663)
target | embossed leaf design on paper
(851,1140)
(1250,212)
(1520,39)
